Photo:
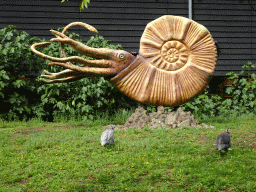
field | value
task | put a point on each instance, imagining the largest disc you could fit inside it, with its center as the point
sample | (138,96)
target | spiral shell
(176,61)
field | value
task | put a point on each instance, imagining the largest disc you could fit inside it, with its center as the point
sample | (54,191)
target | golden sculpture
(176,61)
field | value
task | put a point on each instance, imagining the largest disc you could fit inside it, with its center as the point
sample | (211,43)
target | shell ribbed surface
(176,61)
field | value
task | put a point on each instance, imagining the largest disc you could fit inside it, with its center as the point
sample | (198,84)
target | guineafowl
(223,141)
(108,136)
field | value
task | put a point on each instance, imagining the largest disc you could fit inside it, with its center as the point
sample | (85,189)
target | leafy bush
(86,98)
(244,92)
(15,54)
(90,96)
(243,100)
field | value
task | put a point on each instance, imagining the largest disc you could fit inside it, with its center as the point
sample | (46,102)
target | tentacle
(64,73)
(49,57)
(59,34)
(89,27)
(73,76)
(101,53)
(88,70)
(90,63)
(75,72)
(69,79)
(62,47)
(64,53)
(93,63)
(39,45)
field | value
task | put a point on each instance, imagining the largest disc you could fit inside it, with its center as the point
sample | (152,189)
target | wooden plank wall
(125,21)
(231,23)
(120,21)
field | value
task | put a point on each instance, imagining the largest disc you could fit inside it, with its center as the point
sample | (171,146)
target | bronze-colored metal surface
(176,61)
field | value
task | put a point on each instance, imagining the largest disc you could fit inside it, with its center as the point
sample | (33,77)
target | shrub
(90,96)
(86,98)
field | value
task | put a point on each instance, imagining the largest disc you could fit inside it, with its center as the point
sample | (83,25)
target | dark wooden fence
(232,23)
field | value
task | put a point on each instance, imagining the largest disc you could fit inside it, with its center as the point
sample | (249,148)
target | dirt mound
(161,118)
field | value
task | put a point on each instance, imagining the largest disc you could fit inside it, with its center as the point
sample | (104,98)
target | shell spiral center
(175,54)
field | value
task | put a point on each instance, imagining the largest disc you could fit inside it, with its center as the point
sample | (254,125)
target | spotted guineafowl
(108,136)
(223,141)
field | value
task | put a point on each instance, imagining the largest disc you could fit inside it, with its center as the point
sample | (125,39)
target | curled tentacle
(64,73)
(68,79)
(112,61)
(97,71)
(71,74)
(89,27)
(100,53)
(68,61)
(93,63)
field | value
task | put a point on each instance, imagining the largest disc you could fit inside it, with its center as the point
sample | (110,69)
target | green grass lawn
(67,156)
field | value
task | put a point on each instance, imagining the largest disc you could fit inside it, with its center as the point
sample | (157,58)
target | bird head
(228,131)
(113,127)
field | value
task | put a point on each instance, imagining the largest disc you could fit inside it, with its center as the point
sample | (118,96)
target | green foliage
(33,98)
(90,96)
(204,105)
(68,157)
(84,3)
(244,92)
(243,100)
(14,53)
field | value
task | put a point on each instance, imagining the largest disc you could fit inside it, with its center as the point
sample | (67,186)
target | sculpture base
(171,120)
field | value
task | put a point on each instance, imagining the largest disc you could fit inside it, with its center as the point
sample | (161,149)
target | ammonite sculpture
(176,61)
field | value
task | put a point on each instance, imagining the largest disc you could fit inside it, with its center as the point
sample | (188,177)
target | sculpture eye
(121,56)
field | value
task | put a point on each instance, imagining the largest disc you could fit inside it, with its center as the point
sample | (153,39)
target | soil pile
(161,118)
